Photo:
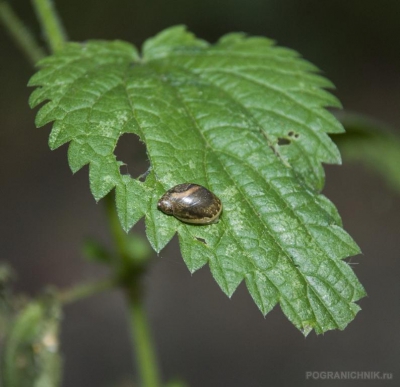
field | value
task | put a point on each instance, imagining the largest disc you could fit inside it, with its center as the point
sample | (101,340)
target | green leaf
(31,353)
(244,118)
(95,251)
(137,248)
(372,144)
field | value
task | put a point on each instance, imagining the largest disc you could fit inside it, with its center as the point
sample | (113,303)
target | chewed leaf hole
(132,152)
(293,134)
(201,240)
(283,141)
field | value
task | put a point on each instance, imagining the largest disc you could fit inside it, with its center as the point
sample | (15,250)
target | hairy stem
(85,290)
(22,37)
(51,24)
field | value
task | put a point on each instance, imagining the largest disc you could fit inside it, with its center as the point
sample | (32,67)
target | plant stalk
(117,233)
(21,35)
(142,342)
(51,24)
(130,273)
(80,291)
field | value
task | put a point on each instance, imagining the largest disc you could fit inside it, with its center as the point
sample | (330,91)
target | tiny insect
(191,203)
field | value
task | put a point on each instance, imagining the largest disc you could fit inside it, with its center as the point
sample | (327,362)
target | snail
(191,203)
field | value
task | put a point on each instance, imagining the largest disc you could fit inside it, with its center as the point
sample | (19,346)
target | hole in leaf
(202,240)
(293,134)
(132,152)
(283,141)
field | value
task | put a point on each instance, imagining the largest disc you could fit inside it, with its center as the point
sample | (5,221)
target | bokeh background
(202,336)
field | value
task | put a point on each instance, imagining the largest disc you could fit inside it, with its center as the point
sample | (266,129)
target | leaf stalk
(51,24)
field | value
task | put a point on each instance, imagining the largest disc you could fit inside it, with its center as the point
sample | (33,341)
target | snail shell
(191,203)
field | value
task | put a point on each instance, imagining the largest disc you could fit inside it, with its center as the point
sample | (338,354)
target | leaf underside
(244,118)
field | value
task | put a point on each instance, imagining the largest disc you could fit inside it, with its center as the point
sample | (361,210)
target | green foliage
(372,144)
(244,118)
(30,355)
(96,252)
(6,275)
(136,249)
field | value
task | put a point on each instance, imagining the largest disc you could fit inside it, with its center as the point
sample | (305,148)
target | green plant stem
(22,37)
(142,341)
(85,290)
(51,24)
(117,232)
(130,273)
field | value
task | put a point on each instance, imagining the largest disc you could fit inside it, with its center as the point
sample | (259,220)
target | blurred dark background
(201,335)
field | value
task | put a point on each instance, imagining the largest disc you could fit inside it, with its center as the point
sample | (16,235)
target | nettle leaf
(244,118)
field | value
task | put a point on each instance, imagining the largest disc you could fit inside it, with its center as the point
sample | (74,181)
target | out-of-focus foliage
(30,357)
(372,144)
